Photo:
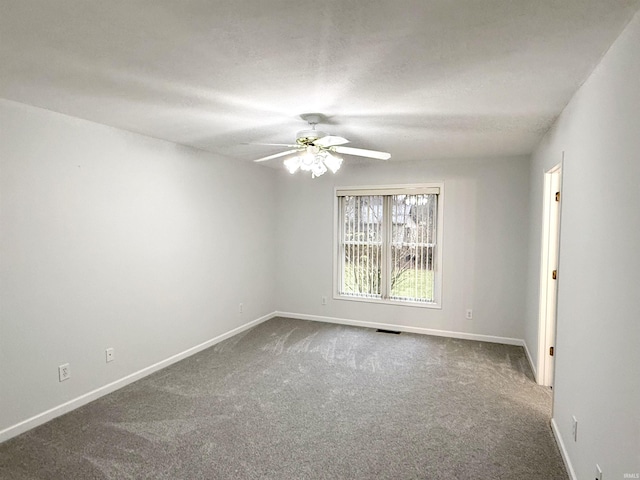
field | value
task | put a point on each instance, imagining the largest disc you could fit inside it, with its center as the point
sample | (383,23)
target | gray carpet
(292,399)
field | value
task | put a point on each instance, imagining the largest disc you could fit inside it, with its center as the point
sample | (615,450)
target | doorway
(549,275)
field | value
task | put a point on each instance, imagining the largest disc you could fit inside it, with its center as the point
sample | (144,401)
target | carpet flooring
(293,399)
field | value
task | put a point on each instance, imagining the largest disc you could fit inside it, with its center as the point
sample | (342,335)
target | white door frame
(548,264)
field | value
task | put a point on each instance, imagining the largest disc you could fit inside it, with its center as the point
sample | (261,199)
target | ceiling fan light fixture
(316,163)
(307,160)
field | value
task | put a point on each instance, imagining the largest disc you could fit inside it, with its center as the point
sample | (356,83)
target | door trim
(549,261)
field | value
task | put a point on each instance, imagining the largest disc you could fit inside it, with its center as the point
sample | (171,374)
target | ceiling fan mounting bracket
(307,137)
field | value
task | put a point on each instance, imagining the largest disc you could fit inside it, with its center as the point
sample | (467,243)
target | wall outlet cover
(64,372)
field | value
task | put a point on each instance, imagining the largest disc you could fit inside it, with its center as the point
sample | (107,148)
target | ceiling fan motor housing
(306,137)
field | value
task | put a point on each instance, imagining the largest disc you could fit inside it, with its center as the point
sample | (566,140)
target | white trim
(337,233)
(376,190)
(388,301)
(403,328)
(543,280)
(549,261)
(421,189)
(531,363)
(77,402)
(563,450)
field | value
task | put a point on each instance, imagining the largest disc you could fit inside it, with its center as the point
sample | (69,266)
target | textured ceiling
(420,79)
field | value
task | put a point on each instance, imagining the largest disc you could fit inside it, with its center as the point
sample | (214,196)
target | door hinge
(557,196)
(551,351)
(554,274)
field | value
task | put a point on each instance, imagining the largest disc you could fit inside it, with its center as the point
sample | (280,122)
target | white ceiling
(420,79)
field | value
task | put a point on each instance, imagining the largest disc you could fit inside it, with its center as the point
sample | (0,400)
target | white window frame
(411,189)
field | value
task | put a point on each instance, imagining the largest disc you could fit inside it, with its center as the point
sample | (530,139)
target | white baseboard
(77,402)
(563,449)
(403,328)
(531,364)
(54,412)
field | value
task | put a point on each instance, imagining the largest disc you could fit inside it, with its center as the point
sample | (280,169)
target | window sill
(382,301)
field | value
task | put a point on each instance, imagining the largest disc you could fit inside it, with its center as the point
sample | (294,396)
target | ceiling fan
(316,151)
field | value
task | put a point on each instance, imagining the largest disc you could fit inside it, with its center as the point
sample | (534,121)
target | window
(388,244)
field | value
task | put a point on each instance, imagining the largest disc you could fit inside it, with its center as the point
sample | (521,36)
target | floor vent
(395,332)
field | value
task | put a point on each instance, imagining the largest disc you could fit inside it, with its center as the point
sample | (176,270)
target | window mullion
(387,227)
(341,242)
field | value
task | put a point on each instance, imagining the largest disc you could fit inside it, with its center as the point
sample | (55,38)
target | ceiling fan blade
(362,152)
(330,141)
(276,155)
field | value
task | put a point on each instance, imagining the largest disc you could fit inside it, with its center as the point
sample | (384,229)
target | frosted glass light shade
(332,162)
(292,164)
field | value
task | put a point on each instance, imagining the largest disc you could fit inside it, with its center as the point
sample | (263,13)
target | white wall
(484,252)
(111,239)
(597,375)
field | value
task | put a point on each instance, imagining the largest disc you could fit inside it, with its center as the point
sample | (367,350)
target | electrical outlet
(324,300)
(468,314)
(111,354)
(240,308)
(64,372)
(598,472)
(574,430)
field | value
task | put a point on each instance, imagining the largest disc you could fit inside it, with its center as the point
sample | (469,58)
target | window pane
(413,246)
(361,272)
(362,245)
(362,218)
